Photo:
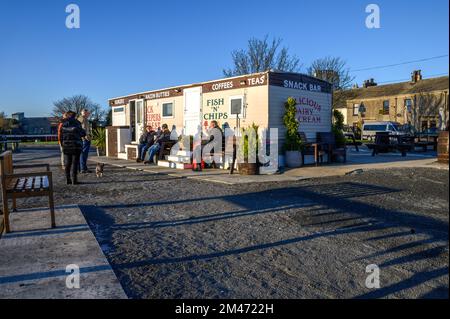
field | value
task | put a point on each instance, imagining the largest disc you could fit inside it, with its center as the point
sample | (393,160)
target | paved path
(356,162)
(33,258)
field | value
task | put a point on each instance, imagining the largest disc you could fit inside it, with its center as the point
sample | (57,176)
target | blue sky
(131,46)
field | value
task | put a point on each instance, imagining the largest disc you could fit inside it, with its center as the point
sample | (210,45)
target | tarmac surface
(172,237)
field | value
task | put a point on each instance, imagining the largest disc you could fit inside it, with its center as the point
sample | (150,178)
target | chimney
(368,83)
(416,76)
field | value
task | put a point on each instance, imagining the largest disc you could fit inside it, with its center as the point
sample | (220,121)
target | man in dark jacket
(145,142)
(71,134)
(163,137)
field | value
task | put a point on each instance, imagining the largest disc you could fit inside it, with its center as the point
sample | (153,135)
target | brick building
(422,103)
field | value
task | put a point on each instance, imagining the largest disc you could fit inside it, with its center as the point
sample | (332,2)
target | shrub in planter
(293,144)
(247,165)
(338,128)
(99,140)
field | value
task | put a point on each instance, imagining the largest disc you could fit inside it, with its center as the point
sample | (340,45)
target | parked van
(369,129)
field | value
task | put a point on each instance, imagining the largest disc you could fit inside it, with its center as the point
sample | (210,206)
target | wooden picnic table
(385,143)
(425,140)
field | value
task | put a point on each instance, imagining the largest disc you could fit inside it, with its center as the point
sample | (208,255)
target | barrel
(443,147)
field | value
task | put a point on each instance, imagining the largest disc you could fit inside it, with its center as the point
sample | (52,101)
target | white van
(369,129)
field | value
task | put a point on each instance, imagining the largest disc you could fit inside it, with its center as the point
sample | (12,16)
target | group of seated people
(150,143)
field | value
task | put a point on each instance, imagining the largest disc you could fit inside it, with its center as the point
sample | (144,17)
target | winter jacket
(164,137)
(71,136)
(147,138)
(86,126)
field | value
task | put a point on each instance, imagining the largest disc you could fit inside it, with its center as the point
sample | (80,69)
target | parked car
(370,129)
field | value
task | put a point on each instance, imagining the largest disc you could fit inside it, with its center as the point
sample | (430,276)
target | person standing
(86,126)
(71,134)
(63,118)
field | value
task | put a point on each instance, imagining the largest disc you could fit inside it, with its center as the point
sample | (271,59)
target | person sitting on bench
(162,138)
(145,142)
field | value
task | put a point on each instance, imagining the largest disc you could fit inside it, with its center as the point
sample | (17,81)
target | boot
(75,180)
(69,180)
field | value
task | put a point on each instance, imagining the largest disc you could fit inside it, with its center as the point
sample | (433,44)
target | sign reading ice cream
(308,110)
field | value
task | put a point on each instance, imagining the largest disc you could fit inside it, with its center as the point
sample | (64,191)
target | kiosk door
(138,120)
(192,110)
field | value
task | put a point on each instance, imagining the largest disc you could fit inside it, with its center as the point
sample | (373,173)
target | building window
(118,116)
(424,125)
(386,107)
(408,105)
(167,109)
(356,109)
(433,124)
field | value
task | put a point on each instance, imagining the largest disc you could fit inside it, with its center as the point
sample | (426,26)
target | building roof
(403,88)
(181,87)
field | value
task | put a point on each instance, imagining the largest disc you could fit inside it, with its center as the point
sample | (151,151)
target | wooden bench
(23,185)
(14,145)
(327,142)
(423,141)
(164,150)
(310,148)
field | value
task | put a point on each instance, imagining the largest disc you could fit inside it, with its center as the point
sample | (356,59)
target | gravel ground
(167,237)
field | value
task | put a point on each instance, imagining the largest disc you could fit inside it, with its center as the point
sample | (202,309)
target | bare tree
(333,70)
(428,106)
(76,104)
(260,56)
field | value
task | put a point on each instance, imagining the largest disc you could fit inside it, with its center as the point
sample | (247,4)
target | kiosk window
(236,106)
(167,110)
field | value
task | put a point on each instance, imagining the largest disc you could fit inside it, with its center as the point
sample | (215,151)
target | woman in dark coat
(71,142)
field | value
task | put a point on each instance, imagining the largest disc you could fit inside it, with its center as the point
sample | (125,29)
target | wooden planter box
(248,168)
(443,147)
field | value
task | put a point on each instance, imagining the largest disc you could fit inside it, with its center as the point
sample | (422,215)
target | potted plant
(248,146)
(293,143)
(99,140)
(338,129)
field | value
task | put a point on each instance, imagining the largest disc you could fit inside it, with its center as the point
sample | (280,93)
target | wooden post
(50,200)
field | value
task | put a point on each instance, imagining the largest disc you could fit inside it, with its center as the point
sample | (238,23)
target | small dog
(99,169)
